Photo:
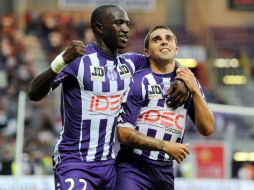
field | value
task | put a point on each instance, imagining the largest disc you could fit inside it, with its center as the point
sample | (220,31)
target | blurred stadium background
(216,40)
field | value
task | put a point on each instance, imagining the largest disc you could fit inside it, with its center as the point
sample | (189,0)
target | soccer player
(150,133)
(94,79)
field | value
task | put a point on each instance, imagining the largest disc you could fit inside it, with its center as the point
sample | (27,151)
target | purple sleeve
(132,107)
(70,70)
(139,60)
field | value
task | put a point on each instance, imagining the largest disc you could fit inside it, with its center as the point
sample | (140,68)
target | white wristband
(57,65)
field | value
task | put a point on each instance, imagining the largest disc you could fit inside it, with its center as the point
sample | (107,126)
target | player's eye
(156,39)
(169,38)
(121,22)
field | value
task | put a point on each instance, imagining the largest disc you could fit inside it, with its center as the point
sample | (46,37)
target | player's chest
(155,92)
(109,73)
(110,78)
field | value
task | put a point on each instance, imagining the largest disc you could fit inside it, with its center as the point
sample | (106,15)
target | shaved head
(100,13)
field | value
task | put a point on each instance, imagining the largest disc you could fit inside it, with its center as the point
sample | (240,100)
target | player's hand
(177,94)
(74,49)
(177,151)
(187,76)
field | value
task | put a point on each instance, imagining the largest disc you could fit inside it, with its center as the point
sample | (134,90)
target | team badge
(97,73)
(124,71)
(154,91)
(112,74)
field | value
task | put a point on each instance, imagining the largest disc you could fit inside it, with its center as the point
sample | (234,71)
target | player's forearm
(135,139)
(40,85)
(204,119)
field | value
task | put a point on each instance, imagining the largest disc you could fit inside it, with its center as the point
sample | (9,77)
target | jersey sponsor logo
(97,73)
(172,130)
(169,119)
(124,71)
(106,103)
(154,91)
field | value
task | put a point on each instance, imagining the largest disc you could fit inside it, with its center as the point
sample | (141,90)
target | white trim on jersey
(80,79)
(154,154)
(106,147)
(143,89)
(97,85)
(56,154)
(93,143)
(131,64)
(167,156)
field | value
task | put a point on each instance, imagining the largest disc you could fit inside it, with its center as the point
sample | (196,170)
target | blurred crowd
(25,51)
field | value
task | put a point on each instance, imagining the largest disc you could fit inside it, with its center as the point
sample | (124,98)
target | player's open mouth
(124,38)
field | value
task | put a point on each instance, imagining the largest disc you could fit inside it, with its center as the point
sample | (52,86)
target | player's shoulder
(139,75)
(137,61)
(90,49)
(131,55)
(91,53)
(128,54)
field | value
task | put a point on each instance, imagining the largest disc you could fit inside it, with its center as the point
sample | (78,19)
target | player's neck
(162,67)
(104,48)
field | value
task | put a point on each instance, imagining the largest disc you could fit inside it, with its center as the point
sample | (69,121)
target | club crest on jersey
(97,73)
(124,71)
(154,91)
(112,74)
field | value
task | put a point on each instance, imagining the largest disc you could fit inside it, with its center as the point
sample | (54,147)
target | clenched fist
(74,49)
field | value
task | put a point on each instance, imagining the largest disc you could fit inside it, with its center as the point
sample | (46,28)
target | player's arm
(135,139)
(204,119)
(41,84)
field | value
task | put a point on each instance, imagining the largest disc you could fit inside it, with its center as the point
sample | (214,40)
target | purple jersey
(146,111)
(92,91)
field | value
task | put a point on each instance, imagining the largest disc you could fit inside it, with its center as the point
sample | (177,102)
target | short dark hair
(99,14)
(147,38)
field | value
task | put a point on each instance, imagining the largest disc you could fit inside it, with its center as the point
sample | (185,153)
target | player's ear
(146,52)
(176,50)
(99,27)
